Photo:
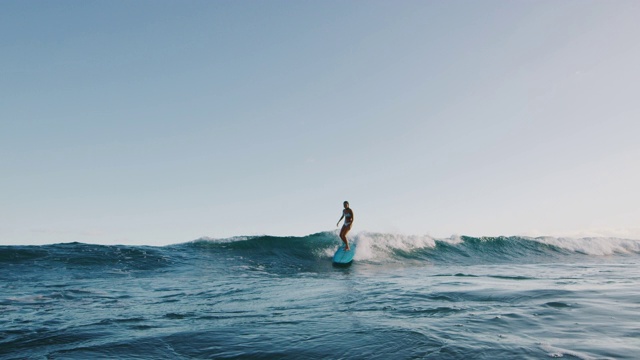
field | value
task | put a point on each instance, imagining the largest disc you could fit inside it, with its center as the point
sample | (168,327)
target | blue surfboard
(343,257)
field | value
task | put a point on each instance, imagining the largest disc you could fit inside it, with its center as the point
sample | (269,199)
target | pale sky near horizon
(158,122)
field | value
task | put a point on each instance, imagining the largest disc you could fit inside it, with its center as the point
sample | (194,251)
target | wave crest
(381,247)
(311,250)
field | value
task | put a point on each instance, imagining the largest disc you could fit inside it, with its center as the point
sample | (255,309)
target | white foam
(594,246)
(380,247)
(556,352)
(29,299)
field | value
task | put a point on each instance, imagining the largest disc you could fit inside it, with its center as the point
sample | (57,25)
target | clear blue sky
(157,122)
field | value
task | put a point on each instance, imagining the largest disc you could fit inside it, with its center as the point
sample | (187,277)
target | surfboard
(342,257)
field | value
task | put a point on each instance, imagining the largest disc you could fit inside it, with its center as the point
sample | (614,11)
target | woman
(347,214)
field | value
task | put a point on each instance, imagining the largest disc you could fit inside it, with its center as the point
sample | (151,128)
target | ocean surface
(262,297)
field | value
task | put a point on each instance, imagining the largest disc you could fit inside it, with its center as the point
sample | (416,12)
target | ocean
(265,297)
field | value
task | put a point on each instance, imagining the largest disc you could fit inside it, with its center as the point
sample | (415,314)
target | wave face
(310,251)
(82,259)
(384,248)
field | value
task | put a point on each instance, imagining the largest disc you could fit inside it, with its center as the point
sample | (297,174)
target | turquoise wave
(383,248)
(291,250)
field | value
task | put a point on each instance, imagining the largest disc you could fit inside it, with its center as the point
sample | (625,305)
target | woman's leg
(343,236)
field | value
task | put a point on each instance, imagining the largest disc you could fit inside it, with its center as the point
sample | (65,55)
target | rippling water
(268,297)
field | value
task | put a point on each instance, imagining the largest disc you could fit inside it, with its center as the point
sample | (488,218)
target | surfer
(347,214)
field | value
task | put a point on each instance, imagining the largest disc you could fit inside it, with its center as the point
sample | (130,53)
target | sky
(160,122)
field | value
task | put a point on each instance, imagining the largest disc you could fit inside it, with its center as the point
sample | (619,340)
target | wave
(79,255)
(380,247)
(307,252)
